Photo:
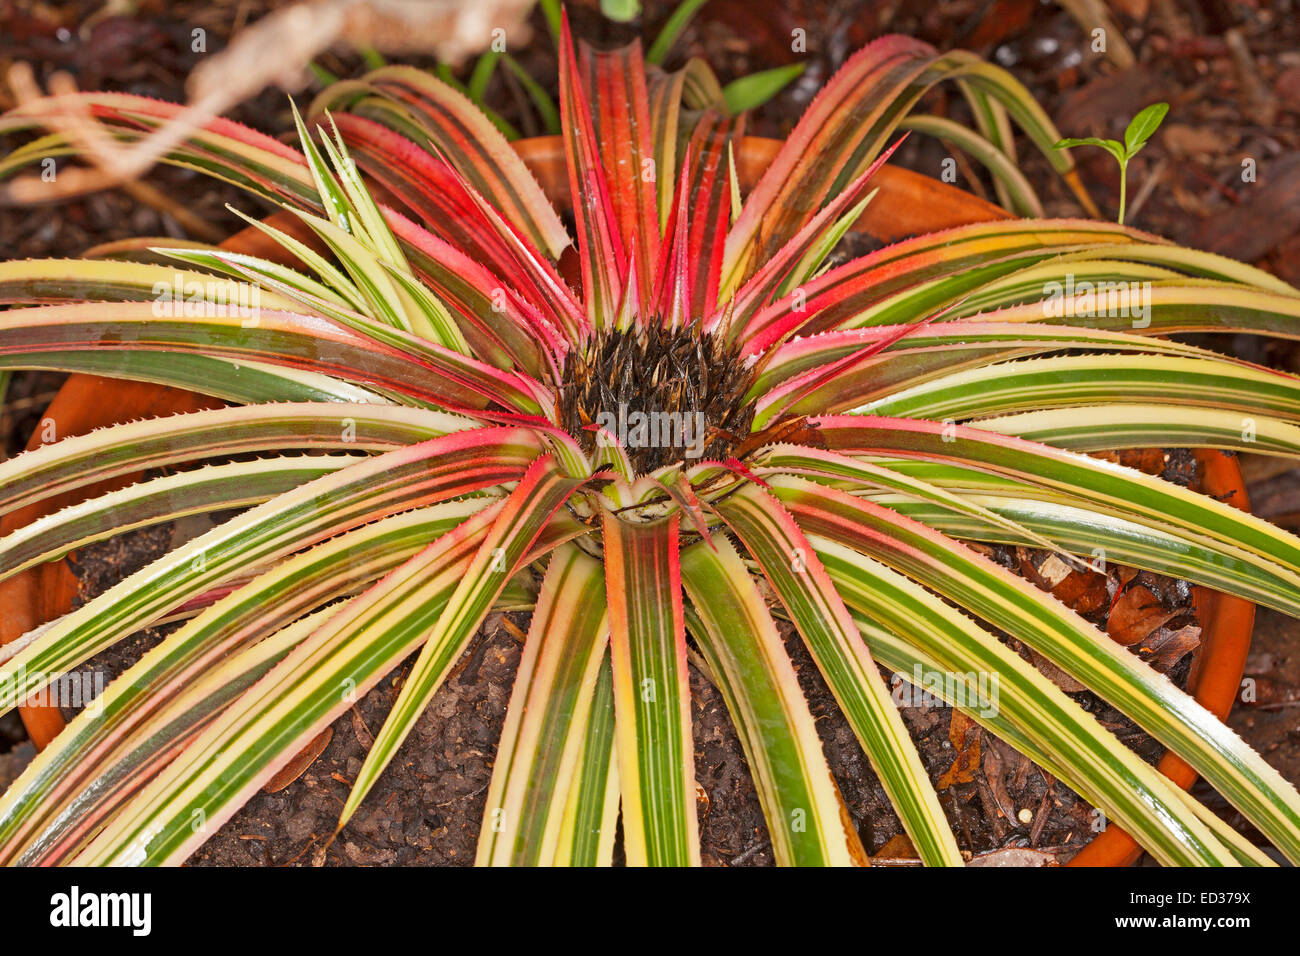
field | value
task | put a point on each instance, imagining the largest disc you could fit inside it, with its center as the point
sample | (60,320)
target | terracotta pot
(908,203)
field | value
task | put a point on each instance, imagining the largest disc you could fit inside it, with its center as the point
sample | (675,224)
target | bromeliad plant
(712,432)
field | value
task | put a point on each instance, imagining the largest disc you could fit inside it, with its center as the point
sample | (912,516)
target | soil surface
(427,807)
(1231,71)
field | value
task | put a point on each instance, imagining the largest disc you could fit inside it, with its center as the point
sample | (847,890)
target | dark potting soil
(426,808)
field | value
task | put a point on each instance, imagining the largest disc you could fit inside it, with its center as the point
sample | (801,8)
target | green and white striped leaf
(136,446)
(1201,306)
(241,382)
(203,490)
(814,462)
(48,281)
(416,368)
(1131,425)
(591,811)
(771,535)
(93,747)
(1013,604)
(278,715)
(806,819)
(547,717)
(656,757)
(962,689)
(1103,485)
(521,518)
(1101,537)
(422,474)
(180,720)
(804,378)
(1110,775)
(1073,380)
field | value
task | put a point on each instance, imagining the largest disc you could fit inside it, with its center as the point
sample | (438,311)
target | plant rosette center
(660,409)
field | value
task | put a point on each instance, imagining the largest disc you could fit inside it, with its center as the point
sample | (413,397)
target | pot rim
(908,202)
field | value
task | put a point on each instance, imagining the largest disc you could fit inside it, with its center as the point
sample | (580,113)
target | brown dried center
(665,395)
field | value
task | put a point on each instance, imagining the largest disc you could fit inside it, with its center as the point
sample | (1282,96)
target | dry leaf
(1053,570)
(1136,615)
(1083,591)
(964,735)
(1166,647)
(898,848)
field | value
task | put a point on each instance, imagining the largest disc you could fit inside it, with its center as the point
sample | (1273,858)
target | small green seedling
(1135,137)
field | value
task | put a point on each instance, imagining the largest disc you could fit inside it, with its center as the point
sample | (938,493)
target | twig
(1091,15)
(1262,104)
(276,50)
(1148,187)
(748,852)
(67,113)
(191,222)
